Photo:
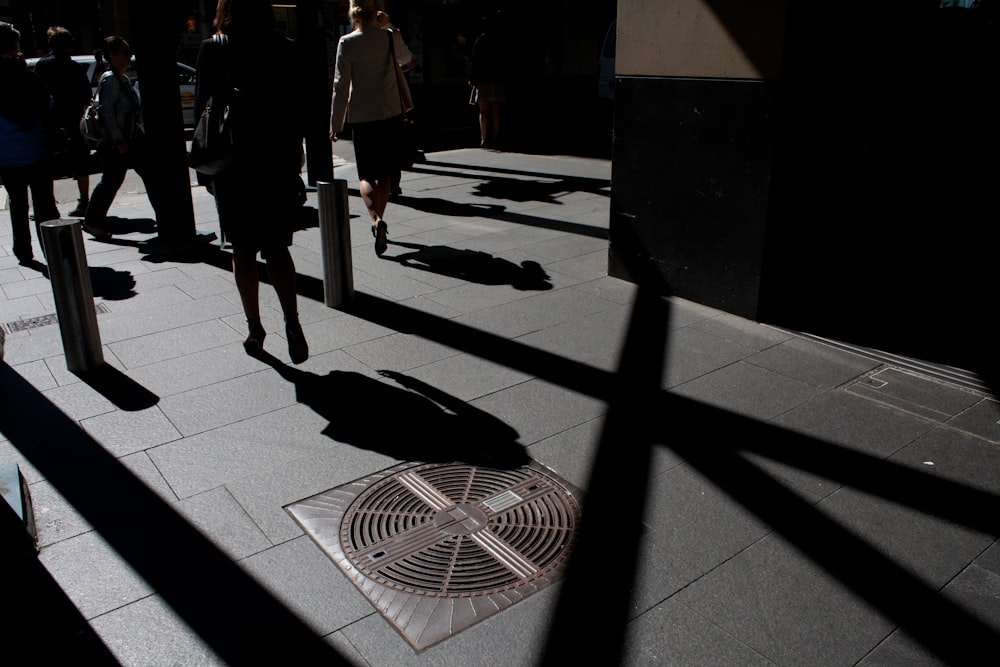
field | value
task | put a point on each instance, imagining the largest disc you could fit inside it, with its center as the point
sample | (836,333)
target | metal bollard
(335,235)
(69,274)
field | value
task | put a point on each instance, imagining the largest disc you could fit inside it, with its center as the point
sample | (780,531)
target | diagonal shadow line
(857,469)
(615,500)
(929,494)
(438,206)
(939,624)
(240,620)
(604,385)
(597,186)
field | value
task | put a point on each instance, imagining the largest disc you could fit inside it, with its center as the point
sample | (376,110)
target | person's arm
(109,95)
(341,92)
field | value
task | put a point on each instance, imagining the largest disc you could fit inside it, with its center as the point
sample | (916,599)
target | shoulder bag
(408,150)
(212,144)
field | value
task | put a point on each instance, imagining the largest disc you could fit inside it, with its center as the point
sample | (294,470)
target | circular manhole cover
(459,530)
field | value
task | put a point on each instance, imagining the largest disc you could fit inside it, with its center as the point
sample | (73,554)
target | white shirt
(364,81)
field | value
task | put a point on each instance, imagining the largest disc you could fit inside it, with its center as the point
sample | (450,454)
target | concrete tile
(786,608)
(93,575)
(847,422)
(536,312)
(341,332)
(123,433)
(25,347)
(467,377)
(117,327)
(582,339)
(79,401)
(539,409)
(201,369)
(919,394)
(590,266)
(518,636)
(306,581)
(22,308)
(692,354)
(748,390)
(264,496)
(148,632)
(199,463)
(223,521)
(173,343)
(956,457)
(813,363)
(399,352)
(55,518)
(25,288)
(690,517)
(229,401)
(982,419)
(671,634)
(37,374)
(746,332)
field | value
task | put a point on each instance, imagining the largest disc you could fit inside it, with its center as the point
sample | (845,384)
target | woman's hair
(244,15)
(60,39)
(9,37)
(363,11)
(113,45)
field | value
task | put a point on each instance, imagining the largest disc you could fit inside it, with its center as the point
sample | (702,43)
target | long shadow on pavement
(232,613)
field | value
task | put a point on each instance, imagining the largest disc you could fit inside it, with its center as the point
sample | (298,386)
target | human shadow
(115,225)
(412,421)
(439,206)
(110,284)
(474,266)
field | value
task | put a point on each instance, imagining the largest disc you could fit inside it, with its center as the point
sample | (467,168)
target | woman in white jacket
(365,94)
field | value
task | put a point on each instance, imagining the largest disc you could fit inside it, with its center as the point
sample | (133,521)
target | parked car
(186,80)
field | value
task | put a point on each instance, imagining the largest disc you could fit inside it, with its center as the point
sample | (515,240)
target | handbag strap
(394,65)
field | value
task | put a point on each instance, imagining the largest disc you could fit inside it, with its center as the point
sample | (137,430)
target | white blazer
(364,80)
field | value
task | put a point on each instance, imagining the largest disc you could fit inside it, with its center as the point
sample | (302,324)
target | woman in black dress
(258,196)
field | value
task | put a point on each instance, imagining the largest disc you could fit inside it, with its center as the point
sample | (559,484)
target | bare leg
(375,197)
(281,270)
(484,122)
(496,121)
(247,281)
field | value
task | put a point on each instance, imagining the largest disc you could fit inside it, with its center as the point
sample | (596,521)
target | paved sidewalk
(748,495)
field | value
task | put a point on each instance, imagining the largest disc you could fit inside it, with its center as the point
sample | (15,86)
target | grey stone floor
(750,496)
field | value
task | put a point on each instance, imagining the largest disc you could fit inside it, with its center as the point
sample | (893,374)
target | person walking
(366,95)
(488,78)
(121,116)
(70,89)
(258,196)
(24,107)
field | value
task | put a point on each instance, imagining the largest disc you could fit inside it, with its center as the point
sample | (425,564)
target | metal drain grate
(26,324)
(437,548)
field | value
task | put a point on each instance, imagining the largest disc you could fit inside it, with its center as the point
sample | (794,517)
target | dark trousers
(18,181)
(114,165)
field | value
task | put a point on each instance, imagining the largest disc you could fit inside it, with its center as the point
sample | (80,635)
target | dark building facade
(822,167)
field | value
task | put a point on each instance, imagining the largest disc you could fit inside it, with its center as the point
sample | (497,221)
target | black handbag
(212,144)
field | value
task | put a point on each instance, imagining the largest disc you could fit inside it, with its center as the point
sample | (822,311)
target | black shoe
(80,210)
(98,234)
(298,348)
(254,344)
(380,231)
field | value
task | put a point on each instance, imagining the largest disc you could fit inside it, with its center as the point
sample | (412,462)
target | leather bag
(212,149)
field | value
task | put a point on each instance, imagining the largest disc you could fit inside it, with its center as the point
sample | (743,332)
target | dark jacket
(70,88)
(24,108)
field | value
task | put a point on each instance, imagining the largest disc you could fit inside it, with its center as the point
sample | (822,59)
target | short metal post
(69,274)
(335,235)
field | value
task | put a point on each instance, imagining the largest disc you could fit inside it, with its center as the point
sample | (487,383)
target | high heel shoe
(254,344)
(298,348)
(380,232)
